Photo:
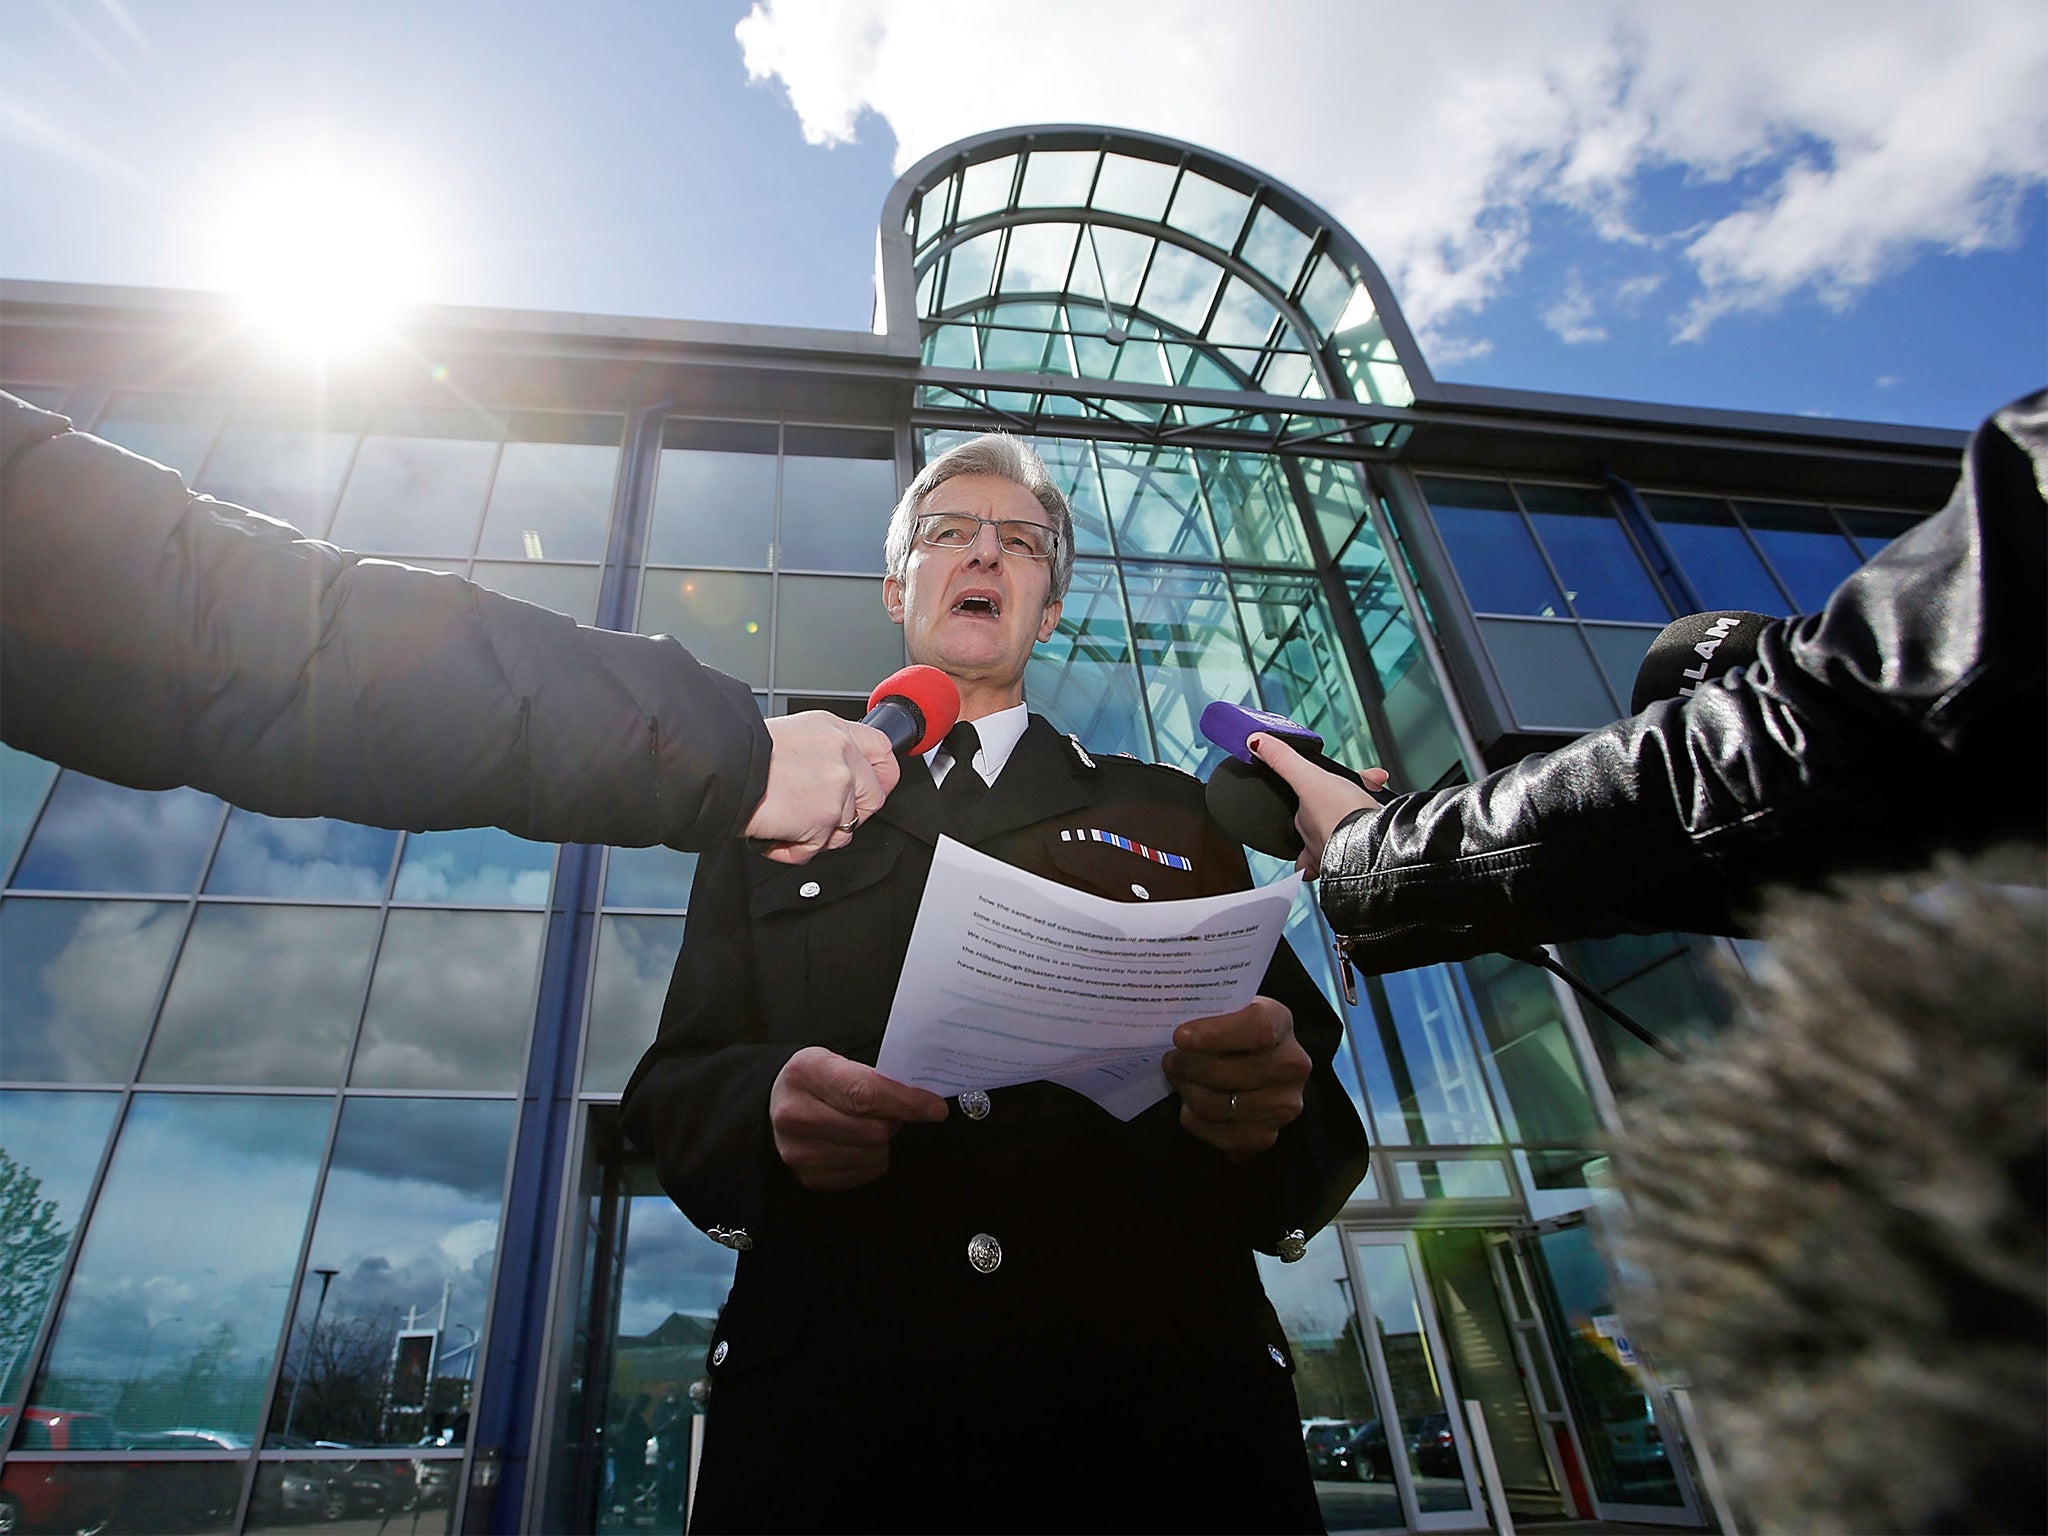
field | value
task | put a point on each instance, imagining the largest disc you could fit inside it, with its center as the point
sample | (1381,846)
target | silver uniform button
(984,1253)
(719,1352)
(1293,1246)
(974,1104)
(1140,892)
(809,889)
(1278,1358)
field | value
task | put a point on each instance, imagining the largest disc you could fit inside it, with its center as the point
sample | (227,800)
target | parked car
(180,1495)
(1323,1440)
(72,1496)
(1434,1448)
(1367,1455)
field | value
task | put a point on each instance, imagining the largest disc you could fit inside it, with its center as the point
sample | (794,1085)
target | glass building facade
(315,1205)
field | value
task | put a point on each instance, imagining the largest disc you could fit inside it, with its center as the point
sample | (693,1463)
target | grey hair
(1007,458)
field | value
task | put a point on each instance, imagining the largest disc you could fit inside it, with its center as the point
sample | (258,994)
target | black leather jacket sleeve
(1906,717)
(154,637)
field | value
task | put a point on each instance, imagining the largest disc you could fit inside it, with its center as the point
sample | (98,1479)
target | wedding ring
(848,826)
(1230,1114)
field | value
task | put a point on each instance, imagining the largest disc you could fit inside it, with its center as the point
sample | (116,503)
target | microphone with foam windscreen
(914,707)
(1246,798)
(1693,651)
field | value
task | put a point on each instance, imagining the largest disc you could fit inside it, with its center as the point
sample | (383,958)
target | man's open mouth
(980,607)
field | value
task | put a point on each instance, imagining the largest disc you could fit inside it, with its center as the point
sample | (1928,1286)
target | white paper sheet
(1011,978)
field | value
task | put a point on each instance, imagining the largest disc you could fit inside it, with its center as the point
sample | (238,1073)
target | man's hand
(1326,799)
(834,1118)
(825,776)
(1239,1075)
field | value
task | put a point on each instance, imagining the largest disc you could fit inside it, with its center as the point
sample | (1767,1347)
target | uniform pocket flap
(828,878)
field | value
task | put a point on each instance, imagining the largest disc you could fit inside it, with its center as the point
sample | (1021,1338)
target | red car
(58,1495)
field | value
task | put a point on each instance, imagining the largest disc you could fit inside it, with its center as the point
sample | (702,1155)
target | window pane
(1805,548)
(835,511)
(408,1219)
(1180,287)
(1057,178)
(1620,652)
(50,1149)
(1071,463)
(1545,1097)
(1189,654)
(1489,544)
(418,484)
(1443,1097)
(1255,511)
(1873,530)
(1040,258)
(1551,683)
(634,958)
(96,836)
(985,187)
(174,1311)
(713,504)
(1203,208)
(313,857)
(721,618)
(283,461)
(1602,575)
(452,1003)
(1451,1178)
(1276,248)
(264,995)
(1301,668)
(172,429)
(570,589)
(1714,555)
(1155,503)
(1085,678)
(82,980)
(834,633)
(552,499)
(649,877)
(475,866)
(1136,187)
(23,779)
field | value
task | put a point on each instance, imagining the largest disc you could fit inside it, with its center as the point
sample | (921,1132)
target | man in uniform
(1009,1311)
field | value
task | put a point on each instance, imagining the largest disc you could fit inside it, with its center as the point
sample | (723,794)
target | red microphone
(914,708)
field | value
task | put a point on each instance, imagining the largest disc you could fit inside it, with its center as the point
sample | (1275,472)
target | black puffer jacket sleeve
(1906,717)
(154,637)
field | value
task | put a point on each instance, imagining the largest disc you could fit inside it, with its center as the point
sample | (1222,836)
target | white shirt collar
(999,733)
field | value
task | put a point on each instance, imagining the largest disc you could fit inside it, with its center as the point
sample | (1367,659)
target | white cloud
(1834,141)
(1571,317)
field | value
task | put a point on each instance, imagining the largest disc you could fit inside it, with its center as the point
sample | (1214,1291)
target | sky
(1802,206)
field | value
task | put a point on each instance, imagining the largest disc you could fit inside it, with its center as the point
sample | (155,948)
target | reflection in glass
(49,1146)
(413,1495)
(833,633)
(1551,681)
(1302,672)
(649,877)
(96,836)
(721,619)
(1415,1375)
(634,958)
(1071,463)
(175,1307)
(1603,577)
(570,589)
(1255,512)
(82,980)
(1804,547)
(1491,547)
(172,429)
(835,511)
(193,1498)
(264,995)
(1083,679)
(418,484)
(713,505)
(452,1002)
(475,866)
(1538,1085)
(283,461)
(22,781)
(404,1241)
(1189,654)
(1715,555)
(307,857)
(1155,502)
(1451,1178)
(1443,1093)
(551,501)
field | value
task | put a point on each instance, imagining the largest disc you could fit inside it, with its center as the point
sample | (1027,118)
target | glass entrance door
(1428,1450)
(1626,1425)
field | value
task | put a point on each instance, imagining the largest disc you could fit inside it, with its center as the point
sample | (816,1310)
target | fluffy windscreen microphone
(914,708)
(1694,650)
(1246,798)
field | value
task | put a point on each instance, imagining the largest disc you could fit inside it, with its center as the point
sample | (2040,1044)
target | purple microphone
(1246,798)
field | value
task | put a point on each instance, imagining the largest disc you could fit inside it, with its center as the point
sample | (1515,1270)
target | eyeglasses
(1014,535)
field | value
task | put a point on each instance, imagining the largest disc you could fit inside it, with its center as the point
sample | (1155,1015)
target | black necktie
(963,784)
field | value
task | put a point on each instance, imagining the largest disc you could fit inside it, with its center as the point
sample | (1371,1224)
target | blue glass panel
(1872,530)
(1551,681)
(1190,654)
(1084,679)
(1254,510)
(23,779)
(174,1311)
(1490,545)
(1071,463)
(452,1002)
(275,856)
(1301,667)
(1804,547)
(1154,499)
(408,1228)
(1445,1096)
(1620,650)
(82,980)
(1602,574)
(635,956)
(475,866)
(649,877)
(1715,555)
(96,836)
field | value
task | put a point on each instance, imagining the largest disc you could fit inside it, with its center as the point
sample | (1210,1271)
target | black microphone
(914,707)
(1691,652)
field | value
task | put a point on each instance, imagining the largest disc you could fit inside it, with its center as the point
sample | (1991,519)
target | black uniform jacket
(1121,1367)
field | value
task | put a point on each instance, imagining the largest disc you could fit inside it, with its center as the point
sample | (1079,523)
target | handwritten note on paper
(1012,978)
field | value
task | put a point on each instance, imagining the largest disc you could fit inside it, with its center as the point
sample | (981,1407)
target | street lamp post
(291,1406)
